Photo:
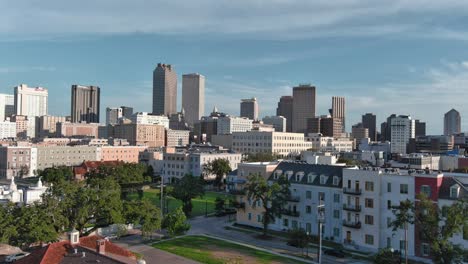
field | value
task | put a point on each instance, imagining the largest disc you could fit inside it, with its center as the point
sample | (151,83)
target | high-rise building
(164,90)
(420,128)
(358,132)
(402,130)
(285,108)
(452,122)
(30,101)
(46,125)
(7,106)
(303,107)
(249,108)
(113,114)
(85,103)
(385,128)
(193,97)
(278,122)
(127,111)
(326,125)
(338,110)
(230,124)
(369,121)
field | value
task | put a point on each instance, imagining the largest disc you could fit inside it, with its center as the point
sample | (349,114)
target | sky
(402,57)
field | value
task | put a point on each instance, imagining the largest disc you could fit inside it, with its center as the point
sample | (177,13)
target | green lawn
(200,205)
(214,251)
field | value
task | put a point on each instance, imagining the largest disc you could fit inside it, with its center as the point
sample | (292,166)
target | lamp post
(320,218)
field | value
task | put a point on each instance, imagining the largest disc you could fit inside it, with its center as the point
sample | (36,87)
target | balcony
(237,192)
(294,199)
(352,191)
(351,207)
(290,213)
(352,224)
(238,205)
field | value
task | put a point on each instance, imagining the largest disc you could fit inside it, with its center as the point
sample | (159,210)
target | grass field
(200,205)
(214,251)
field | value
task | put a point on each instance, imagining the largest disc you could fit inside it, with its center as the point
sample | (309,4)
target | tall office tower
(338,110)
(164,90)
(402,130)
(452,122)
(113,114)
(85,103)
(193,97)
(285,108)
(303,107)
(369,121)
(7,106)
(359,132)
(127,111)
(385,128)
(249,108)
(420,128)
(30,101)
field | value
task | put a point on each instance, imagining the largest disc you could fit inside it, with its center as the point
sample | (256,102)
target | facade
(145,118)
(127,111)
(29,101)
(386,129)
(193,97)
(164,90)
(231,124)
(113,114)
(85,103)
(279,123)
(204,129)
(7,106)
(432,144)
(322,143)
(50,156)
(402,130)
(24,126)
(128,154)
(249,108)
(420,128)
(7,129)
(140,134)
(359,132)
(285,108)
(177,121)
(46,126)
(338,111)
(176,138)
(303,107)
(17,162)
(369,121)
(452,122)
(326,125)
(67,129)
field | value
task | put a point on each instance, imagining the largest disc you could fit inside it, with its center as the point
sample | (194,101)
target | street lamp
(320,218)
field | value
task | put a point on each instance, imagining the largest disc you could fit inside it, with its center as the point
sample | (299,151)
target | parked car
(15,257)
(334,252)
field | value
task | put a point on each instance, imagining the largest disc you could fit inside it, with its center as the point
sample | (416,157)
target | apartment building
(50,156)
(145,118)
(140,134)
(7,129)
(231,124)
(67,129)
(177,137)
(17,161)
(121,153)
(321,143)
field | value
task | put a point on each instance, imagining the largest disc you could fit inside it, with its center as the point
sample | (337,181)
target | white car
(15,257)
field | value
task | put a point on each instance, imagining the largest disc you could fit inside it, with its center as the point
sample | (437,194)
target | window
(389,204)
(454,190)
(308,195)
(336,232)
(426,189)
(336,197)
(369,203)
(389,187)
(321,196)
(336,180)
(323,179)
(389,222)
(286,222)
(369,186)
(308,209)
(425,249)
(259,218)
(336,213)
(308,228)
(404,188)
(402,245)
(294,224)
(369,219)
(369,239)
(389,242)
(250,216)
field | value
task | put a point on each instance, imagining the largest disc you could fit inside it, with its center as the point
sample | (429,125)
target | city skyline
(268,63)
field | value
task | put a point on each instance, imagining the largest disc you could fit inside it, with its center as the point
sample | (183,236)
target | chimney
(101,246)
(74,237)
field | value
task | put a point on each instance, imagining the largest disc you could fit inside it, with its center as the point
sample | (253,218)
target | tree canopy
(186,189)
(261,157)
(220,168)
(176,222)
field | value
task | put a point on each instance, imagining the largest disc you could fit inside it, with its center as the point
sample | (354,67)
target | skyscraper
(112,115)
(420,128)
(369,121)
(7,106)
(193,97)
(85,103)
(303,107)
(30,101)
(386,128)
(164,90)
(127,111)
(402,130)
(285,108)
(339,110)
(249,108)
(452,122)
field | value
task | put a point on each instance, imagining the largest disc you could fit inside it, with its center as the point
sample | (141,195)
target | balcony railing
(352,224)
(290,213)
(238,205)
(294,199)
(351,207)
(348,242)
(237,192)
(353,191)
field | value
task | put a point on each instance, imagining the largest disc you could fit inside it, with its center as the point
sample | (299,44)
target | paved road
(214,226)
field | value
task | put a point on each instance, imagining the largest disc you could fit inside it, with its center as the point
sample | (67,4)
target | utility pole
(320,218)
(162,198)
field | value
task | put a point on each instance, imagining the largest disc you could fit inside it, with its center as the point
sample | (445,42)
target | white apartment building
(145,118)
(329,144)
(278,122)
(7,106)
(177,137)
(30,101)
(231,124)
(280,143)
(402,129)
(7,129)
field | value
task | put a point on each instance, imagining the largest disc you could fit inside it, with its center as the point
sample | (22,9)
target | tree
(56,175)
(261,157)
(218,167)
(219,205)
(272,197)
(143,213)
(404,214)
(176,222)
(299,238)
(8,229)
(33,226)
(186,189)
(386,256)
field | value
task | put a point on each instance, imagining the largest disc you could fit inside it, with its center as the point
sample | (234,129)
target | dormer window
(289,174)
(323,179)
(299,176)
(277,174)
(311,177)
(336,180)
(454,191)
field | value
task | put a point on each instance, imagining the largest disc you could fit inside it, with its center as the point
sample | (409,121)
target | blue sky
(403,57)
